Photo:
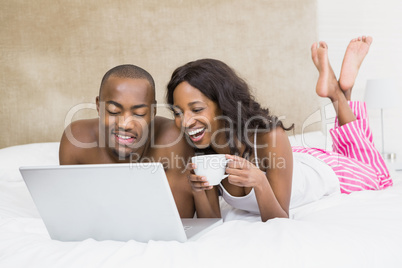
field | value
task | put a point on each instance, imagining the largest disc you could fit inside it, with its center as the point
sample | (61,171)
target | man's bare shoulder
(83,130)
(166,131)
(169,139)
(79,136)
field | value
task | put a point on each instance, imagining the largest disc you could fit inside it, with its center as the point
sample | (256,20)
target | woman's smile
(195,114)
(196,135)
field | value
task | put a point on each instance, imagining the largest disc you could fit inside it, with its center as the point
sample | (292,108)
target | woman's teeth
(197,135)
(194,132)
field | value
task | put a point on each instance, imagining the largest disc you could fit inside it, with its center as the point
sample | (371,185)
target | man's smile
(124,138)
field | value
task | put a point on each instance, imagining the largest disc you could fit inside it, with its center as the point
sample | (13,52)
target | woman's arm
(205,196)
(207,203)
(272,189)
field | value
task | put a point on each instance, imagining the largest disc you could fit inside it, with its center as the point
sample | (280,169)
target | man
(127,131)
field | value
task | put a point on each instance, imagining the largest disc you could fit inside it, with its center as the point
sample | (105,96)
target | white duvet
(363,229)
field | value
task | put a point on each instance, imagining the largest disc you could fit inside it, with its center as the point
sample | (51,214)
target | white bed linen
(363,229)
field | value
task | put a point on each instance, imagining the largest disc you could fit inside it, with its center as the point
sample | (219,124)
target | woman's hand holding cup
(198,183)
(209,170)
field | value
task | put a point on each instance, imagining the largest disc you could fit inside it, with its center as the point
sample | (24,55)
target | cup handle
(226,175)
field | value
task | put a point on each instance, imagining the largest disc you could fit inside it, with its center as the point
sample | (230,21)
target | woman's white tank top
(312,179)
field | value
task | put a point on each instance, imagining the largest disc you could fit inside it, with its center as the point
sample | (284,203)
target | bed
(363,229)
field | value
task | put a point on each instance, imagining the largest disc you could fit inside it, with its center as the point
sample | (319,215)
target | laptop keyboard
(187,227)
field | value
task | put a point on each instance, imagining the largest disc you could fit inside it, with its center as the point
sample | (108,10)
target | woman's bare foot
(354,56)
(327,85)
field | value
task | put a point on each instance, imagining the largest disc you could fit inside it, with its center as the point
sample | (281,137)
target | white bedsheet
(363,229)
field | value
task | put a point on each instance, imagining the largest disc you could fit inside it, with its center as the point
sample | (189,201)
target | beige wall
(54,53)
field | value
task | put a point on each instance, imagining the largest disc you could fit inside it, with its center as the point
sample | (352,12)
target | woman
(215,109)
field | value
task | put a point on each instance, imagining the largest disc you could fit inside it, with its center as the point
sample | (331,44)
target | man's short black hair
(128,71)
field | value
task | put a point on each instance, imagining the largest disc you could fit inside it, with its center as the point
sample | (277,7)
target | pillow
(33,154)
(314,139)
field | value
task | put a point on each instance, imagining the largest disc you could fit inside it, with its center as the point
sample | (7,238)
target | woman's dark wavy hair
(220,83)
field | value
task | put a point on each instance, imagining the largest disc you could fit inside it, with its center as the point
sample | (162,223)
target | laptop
(110,202)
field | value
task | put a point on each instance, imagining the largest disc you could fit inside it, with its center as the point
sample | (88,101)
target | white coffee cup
(210,166)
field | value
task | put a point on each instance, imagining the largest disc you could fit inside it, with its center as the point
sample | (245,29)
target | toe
(314,46)
(369,40)
(323,44)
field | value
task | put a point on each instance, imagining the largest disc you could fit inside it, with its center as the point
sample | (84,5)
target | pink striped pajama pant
(354,159)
